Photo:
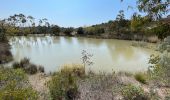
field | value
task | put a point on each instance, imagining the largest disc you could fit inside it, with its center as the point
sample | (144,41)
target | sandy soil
(38,82)
(95,88)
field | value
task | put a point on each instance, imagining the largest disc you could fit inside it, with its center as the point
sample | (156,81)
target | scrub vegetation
(26,81)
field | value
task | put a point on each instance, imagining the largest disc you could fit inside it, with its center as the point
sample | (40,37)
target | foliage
(74,69)
(2,33)
(2,37)
(80,30)
(121,22)
(120,18)
(141,77)
(138,22)
(20,24)
(86,58)
(41,69)
(162,30)
(94,30)
(132,92)
(63,84)
(42,30)
(31,69)
(55,30)
(14,85)
(28,67)
(68,31)
(165,45)
(160,65)
(154,8)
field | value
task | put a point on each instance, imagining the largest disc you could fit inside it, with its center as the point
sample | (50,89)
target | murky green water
(109,54)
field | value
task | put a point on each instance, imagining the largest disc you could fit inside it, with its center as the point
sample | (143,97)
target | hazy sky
(68,12)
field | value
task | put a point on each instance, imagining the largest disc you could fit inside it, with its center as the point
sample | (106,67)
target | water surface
(108,54)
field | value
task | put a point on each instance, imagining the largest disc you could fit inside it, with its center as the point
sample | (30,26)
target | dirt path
(38,82)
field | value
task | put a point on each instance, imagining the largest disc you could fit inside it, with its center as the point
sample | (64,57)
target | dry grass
(153,39)
(76,69)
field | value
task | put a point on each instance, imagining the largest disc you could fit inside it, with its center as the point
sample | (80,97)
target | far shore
(149,39)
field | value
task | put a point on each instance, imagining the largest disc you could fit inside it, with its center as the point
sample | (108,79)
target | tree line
(151,24)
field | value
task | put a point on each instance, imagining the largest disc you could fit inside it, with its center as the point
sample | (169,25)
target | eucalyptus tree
(120,19)
(32,24)
(23,19)
(154,8)
(12,20)
(139,23)
(44,26)
(55,30)
(40,22)
(45,21)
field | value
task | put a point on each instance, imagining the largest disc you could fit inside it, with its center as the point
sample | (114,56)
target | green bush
(22,64)
(2,37)
(63,84)
(132,92)
(16,65)
(14,85)
(141,77)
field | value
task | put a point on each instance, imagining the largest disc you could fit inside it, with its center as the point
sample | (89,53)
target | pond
(108,54)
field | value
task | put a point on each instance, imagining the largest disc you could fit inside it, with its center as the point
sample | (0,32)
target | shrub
(28,67)
(63,84)
(69,30)
(24,62)
(141,77)
(132,92)
(2,37)
(14,85)
(16,65)
(32,69)
(160,65)
(80,30)
(75,70)
(41,69)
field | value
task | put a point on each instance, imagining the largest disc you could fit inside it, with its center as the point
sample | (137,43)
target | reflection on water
(52,52)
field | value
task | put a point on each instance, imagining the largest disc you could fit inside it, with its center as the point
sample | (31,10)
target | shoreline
(149,39)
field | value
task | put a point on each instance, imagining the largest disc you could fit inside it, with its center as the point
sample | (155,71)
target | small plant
(14,85)
(41,69)
(32,69)
(86,58)
(25,61)
(22,64)
(16,65)
(28,67)
(75,70)
(63,85)
(141,77)
(132,92)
